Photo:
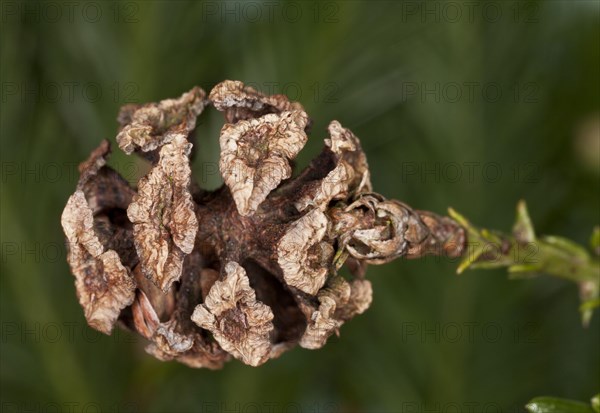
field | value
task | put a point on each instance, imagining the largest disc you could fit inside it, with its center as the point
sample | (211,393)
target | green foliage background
(358,62)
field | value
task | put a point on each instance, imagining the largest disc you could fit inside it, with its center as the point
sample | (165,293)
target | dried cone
(254,268)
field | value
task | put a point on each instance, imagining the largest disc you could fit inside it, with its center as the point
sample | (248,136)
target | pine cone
(249,270)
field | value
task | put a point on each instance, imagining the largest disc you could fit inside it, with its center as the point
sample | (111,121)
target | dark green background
(391,72)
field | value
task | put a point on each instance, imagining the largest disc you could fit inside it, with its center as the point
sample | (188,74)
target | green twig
(527,255)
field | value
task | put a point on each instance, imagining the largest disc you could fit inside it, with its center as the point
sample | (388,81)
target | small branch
(526,255)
